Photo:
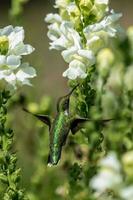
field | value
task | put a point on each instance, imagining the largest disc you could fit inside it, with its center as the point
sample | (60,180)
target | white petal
(13,61)
(127,193)
(59,44)
(68,54)
(16,37)
(23,49)
(110,161)
(51,18)
(1,75)
(72,36)
(106,179)
(25,72)
(89,55)
(54,31)
(61,3)
(103,25)
(76,70)
(6,31)
(11,79)
(2,60)
(102,2)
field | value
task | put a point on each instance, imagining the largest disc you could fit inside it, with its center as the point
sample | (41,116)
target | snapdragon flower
(79,35)
(109,176)
(14,73)
(127,193)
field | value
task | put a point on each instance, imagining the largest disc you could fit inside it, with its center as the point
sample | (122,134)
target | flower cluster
(80,31)
(14,73)
(110,177)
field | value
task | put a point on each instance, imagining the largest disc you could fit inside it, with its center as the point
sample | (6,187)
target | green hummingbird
(60,127)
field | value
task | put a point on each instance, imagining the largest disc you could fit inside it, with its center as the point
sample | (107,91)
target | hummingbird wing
(78,123)
(44,118)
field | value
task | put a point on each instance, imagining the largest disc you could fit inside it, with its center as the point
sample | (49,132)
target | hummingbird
(60,126)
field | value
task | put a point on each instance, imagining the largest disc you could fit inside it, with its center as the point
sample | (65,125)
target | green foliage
(9,174)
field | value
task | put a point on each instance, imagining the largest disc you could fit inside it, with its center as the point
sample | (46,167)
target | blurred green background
(49,80)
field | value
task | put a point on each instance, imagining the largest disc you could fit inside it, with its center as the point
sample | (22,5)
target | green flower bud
(101,7)
(128,79)
(33,107)
(4,45)
(109,104)
(127,160)
(115,80)
(61,3)
(75,16)
(45,105)
(86,6)
(64,14)
(105,60)
(130,37)
(130,33)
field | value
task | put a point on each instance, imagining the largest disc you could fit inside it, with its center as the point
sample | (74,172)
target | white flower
(106,179)
(63,36)
(52,18)
(12,48)
(76,70)
(109,176)
(15,38)
(127,193)
(79,61)
(110,161)
(106,25)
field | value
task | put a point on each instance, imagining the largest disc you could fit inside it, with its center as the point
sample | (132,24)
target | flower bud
(33,107)
(130,38)
(4,45)
(115,80)
(102,8)
(109,104)
(128,79)
(75,15)
(45,104)
(86,6)
(128,163)
(61,3)
(105,60)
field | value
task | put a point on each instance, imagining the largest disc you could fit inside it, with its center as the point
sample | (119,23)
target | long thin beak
(70,93)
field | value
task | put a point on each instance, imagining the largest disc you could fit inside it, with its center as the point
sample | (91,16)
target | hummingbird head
(63,102)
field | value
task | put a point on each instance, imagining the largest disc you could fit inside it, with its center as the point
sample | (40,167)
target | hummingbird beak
(70,93)
(63,102)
